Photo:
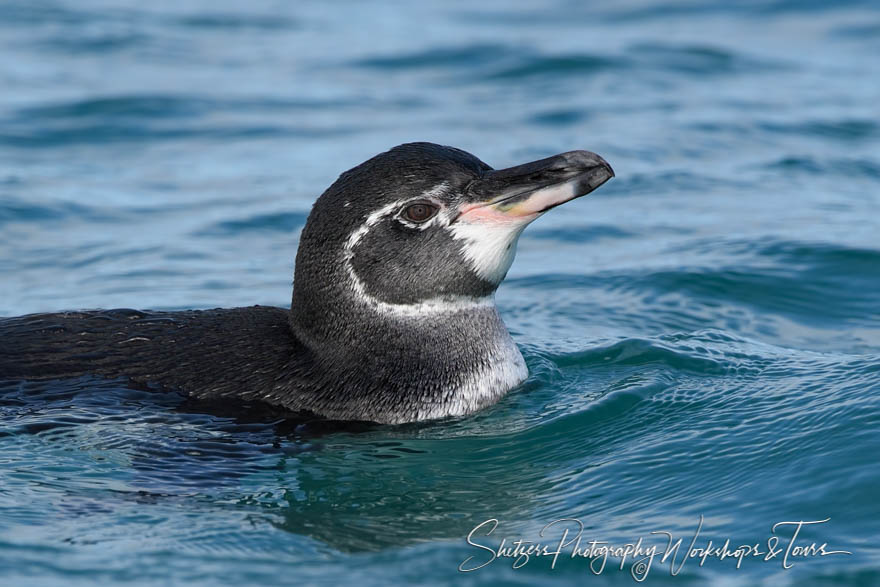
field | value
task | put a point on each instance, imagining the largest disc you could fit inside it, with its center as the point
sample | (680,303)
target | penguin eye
(420,212)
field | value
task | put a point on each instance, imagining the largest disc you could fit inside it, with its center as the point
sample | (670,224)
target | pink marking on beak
(489,213)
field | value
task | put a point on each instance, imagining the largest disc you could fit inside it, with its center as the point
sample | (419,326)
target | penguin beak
(524,192)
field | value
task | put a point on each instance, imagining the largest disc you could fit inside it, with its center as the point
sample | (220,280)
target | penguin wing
(204,353)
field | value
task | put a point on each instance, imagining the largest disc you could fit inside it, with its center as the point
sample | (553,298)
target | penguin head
(427,226)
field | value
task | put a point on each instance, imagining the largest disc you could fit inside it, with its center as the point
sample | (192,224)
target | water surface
(703,332)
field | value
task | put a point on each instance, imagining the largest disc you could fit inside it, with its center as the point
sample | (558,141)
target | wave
(110,132)
(467,56)
(556,66)
(845,129)
(15,210)
(487,63)
(286,222)
(839,166)
(811,282)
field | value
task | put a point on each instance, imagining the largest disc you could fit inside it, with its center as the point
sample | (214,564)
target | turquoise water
(703,332)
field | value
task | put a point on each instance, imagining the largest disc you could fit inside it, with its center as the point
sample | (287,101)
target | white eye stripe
(432,195)
(431,306)
(436,191)
(355,237)
(440,217)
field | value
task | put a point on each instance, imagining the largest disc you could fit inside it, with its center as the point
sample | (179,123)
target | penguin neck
(357,325)
(412,366)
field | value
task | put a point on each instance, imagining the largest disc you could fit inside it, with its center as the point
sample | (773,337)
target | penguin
(392,317)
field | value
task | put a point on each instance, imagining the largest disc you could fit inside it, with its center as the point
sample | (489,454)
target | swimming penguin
(393,317)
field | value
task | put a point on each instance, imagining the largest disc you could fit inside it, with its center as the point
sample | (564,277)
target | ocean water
(703,332)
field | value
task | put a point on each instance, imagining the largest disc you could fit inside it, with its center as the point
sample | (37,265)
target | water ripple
(469,56)
(548,66)
(844,167)
(286,222)
(702,334)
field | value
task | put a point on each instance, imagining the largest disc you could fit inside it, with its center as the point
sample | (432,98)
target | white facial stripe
(442,217)
(444,305)
(436,191)
(431,306)
(489,246)
(371,220)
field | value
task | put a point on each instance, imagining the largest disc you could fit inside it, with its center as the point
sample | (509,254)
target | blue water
(703,332)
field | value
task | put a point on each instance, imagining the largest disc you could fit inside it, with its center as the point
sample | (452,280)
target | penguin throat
(489,247)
